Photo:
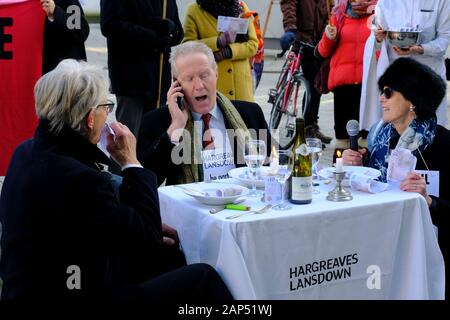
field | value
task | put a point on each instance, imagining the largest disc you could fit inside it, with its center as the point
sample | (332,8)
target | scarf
(351,9)
(228,8)
(193,171)
(418,136)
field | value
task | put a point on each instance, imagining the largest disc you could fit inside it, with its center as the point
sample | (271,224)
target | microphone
(353,131)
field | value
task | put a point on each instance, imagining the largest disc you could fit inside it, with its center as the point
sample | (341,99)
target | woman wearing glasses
(66,234)
(410,95)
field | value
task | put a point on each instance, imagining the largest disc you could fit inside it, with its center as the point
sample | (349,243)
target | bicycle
(291,86)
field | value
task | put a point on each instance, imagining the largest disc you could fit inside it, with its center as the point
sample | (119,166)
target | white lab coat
(433,18)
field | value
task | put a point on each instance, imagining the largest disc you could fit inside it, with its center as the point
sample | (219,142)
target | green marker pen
(237,207)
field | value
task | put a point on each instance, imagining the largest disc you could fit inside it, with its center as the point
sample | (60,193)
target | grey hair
(65,95)
(190,47)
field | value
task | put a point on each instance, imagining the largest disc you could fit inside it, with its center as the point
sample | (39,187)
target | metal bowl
(402,39)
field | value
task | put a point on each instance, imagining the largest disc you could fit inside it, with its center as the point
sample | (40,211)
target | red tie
(208,142)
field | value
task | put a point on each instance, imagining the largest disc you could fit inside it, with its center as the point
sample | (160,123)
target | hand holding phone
(180,100)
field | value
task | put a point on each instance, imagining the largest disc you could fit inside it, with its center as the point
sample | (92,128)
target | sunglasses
(109,106)
(387,92)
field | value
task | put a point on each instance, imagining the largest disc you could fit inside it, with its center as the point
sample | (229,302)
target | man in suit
(204,138)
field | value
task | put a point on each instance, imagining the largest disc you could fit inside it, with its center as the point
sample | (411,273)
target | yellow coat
(235,77)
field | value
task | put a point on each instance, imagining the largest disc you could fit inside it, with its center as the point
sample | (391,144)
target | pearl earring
(412,108)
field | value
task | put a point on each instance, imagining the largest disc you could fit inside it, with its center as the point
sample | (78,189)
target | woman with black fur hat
(410,95)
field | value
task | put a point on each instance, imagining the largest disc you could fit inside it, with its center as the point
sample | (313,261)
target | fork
(262,210)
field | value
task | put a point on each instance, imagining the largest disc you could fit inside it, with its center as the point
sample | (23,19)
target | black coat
(58,209)
(154,146)
(437,157)
(60,42)
(136,37)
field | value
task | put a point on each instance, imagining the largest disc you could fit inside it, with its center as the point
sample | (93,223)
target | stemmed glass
(315,149)
(254,155)
(283,173)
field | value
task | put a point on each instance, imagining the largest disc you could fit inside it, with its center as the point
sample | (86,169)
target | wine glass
(315,149)
(282,175)
(254,155)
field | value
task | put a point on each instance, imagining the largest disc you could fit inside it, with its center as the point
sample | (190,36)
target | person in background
(66,234)
(288,10)
(64,33)
(137,34)
(410,95)
(343,40)
(311,17)
(432,19)
(231,51)
(208,125)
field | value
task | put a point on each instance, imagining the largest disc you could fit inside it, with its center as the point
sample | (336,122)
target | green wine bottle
(300,191)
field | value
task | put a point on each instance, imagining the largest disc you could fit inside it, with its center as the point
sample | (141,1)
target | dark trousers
(346,107)
(196,282)
(130,111)
(310,66)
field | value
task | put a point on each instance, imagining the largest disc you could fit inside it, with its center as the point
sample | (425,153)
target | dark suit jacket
(154,146)
(60,42)
(58,209)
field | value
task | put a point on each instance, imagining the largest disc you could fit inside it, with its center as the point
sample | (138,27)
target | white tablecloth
(324,250)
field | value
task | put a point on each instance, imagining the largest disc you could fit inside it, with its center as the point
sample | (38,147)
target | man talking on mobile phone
(204,140)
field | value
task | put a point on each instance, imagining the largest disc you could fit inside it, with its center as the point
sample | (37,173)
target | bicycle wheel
(295,97)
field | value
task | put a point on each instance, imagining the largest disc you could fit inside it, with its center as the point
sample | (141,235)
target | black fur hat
(417,82)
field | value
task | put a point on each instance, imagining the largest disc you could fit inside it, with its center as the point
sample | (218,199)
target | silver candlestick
(339,193)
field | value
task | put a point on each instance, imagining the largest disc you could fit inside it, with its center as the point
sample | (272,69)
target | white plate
(244,176)
(327,173)
(211,189)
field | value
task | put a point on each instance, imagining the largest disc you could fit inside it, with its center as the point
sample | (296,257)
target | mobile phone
(180,100)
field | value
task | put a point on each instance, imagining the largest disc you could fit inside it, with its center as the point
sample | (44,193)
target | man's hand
(179,117)
(123,147)
(416,183)
(170,235)
(353,158)
(414,50)
(331,32)
(49,8)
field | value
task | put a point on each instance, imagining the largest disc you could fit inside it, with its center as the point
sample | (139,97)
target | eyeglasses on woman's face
(109,106)
(387,92)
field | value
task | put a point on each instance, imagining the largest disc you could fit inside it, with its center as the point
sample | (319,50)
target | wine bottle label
(301,188)
(302,149)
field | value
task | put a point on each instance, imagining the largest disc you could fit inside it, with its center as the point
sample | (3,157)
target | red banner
(21,40)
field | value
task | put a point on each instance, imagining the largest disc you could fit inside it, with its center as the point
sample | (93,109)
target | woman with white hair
(66,234)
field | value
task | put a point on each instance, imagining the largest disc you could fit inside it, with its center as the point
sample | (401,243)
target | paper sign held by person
(401,162)
(238,25)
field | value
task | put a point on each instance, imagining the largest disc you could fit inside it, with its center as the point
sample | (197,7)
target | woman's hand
(170,235)
(49,8)
(353,158)
(416,183)
(331,31)
(380,34)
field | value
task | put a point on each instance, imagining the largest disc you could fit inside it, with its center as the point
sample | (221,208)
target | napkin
(223,192)
(366,183)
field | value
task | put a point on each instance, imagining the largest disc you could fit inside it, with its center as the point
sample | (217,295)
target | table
(377,246)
